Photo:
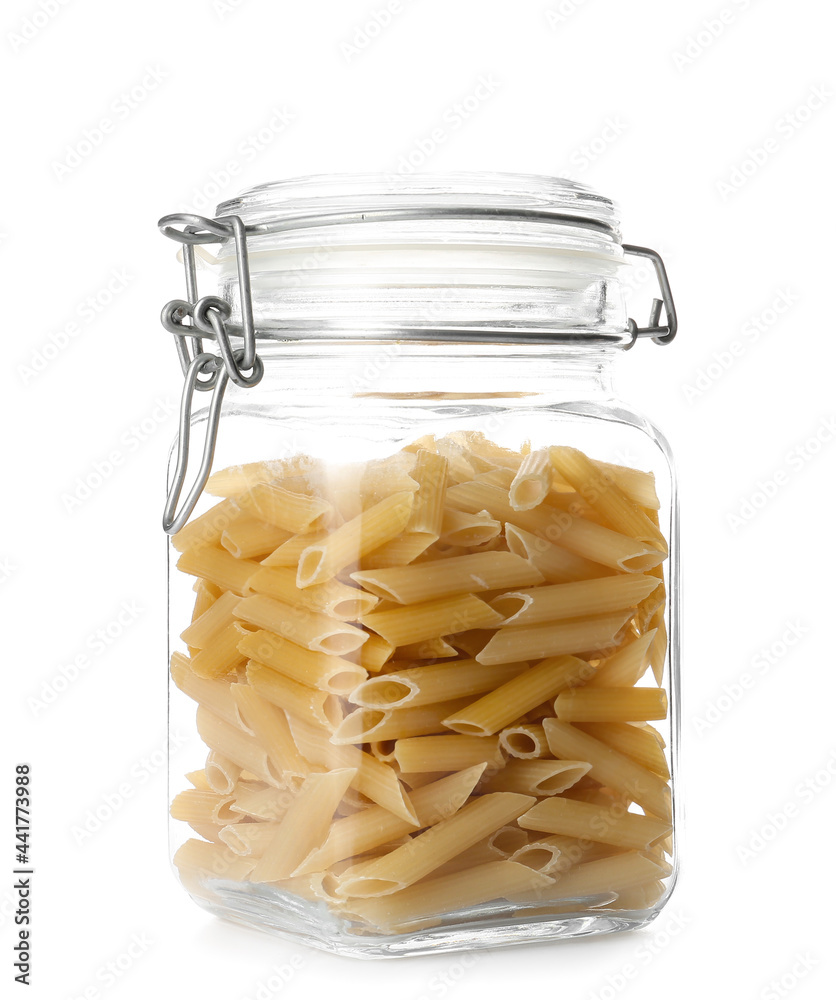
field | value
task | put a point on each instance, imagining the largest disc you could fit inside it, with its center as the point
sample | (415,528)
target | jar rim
(310,200)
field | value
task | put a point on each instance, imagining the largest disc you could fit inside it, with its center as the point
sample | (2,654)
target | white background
(703,121)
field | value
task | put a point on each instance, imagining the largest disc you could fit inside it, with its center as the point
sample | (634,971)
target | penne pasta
(214,694)
(208,528)
(304,826)
(295,513)
(370,723)
(248,537)
(214,619)
(639,897)
(461,528)
(448,753)
(287,554)
(611,705)
(429,850)
(429,649)
(592,541)
(311,629)
(333,598)
(236,745)
(270,727)
(529,642)
(532,482)
(609,767)
(639,486)
(221,655)
(420,682)
(536,777)
(516,697)
(373,779)
(626,667)
(581,599)
(659,646)
(424,525)
(219,567)
(315,669)
(639,744)
(428,685)
(424,905)
(198,862)
(241,478)
(356,538)
(603,824)
(606,875)
(602,493)
(196,806)
(260,802)
(525,742)
(507,840)
(374,654)
(557,565)
(221,773)
(355,835)
(447,577)
(198,780)
(296,699)
(206,595)
(431,619)
(248,839)
(542,855)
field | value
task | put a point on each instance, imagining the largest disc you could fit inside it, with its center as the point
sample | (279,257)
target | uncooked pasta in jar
(426,685)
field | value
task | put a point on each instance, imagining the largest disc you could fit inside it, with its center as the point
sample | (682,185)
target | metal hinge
(193,319)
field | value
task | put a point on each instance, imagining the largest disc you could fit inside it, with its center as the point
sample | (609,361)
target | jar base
(313,924)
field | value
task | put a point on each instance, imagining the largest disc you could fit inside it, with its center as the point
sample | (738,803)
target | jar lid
(493,257)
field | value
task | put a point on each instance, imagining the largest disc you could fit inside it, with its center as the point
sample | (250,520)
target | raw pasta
(422,682)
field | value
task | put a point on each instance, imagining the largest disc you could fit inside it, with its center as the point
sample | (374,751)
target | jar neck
(397,369)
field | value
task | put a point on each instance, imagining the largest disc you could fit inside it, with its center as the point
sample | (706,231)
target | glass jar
(426,602)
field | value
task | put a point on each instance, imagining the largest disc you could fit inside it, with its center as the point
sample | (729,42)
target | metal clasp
(660,334)
(193,319)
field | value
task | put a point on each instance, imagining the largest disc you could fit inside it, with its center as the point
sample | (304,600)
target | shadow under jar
(424,609)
